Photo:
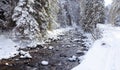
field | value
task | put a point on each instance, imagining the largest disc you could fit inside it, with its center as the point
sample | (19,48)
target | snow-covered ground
(7,48)
(105,52)
(56,32)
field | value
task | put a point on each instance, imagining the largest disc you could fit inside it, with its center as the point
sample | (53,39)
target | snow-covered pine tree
(114,14)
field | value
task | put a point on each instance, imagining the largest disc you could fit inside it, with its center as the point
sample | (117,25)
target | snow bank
(7,48)
(56,32)
(105,52)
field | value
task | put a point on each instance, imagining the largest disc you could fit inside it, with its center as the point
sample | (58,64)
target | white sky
(107,2)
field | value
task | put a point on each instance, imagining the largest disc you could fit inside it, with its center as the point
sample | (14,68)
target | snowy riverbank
(9,48)
(105,52)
